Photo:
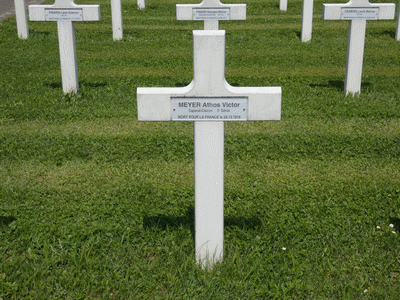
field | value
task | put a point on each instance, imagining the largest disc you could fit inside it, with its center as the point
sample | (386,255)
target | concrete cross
(209,101)
(65,12)
(358,12)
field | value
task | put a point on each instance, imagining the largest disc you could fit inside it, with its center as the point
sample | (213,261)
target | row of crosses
(65,12)
(116,18)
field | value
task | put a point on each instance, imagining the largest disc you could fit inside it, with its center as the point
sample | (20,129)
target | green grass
(96,205)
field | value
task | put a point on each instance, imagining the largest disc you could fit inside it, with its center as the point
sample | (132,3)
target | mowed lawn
(96,205)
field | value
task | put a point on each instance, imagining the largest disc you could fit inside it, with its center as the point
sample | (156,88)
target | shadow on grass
(6,220)
(54,85)
(92,84)
(39,32)
(165,222)
(395,222)
(339,85)
(58,85)
(168,222)
(390,33)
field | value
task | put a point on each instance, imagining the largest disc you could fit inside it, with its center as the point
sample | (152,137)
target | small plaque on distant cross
(360,13)
(63,14)
(211,14)
(211,11)
(209,109)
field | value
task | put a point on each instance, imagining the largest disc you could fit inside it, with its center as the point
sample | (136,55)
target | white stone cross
(209,101)
(65,12)
(21,18)
(358,12)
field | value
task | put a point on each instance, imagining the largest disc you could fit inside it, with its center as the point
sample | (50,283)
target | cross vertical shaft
(116,19)
(306,24)
(22,19)
(209,192)
(69,68)
(209,71)
(397,35)
(283,5)
(355,55)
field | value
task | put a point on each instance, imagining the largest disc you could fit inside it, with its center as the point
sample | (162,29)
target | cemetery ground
(96,205)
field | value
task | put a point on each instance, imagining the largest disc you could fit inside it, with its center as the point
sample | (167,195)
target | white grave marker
(116,19)
(283,5)
(209,101)
(65,12)
(141,4)
(306,24)
(21,18)
(358,12)
(398,23)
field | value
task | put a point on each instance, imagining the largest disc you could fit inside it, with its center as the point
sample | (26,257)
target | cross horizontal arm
(89,12)
(184,11)
(333,11)
(155,103)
